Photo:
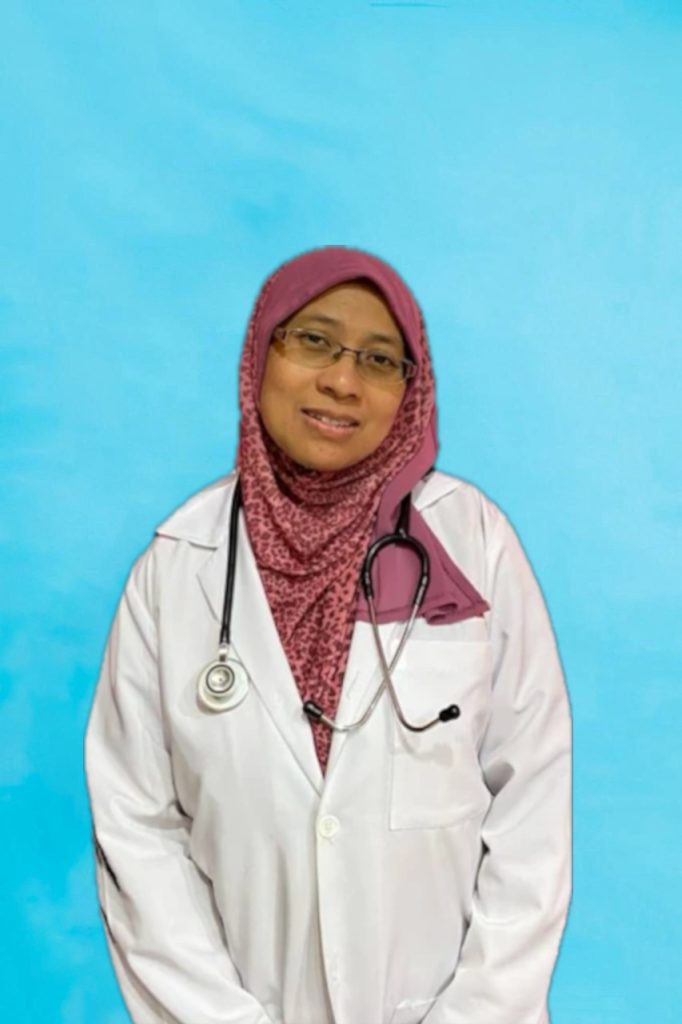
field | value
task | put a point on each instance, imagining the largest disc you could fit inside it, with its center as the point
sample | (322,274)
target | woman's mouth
(331,426)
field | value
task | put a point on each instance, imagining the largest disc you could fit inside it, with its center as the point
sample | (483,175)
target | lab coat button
(328,826)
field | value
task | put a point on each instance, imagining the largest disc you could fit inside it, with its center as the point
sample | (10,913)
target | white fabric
(426,878)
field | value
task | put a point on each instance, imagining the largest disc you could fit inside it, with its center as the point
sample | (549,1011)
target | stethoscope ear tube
(401,536)
(226,620)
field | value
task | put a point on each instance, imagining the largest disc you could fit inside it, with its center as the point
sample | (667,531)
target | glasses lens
(311,348)
(377,365)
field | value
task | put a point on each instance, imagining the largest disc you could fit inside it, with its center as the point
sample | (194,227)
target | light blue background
(521,165)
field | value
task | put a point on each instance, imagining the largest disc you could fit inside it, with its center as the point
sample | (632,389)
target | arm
(524,880)
(163,932)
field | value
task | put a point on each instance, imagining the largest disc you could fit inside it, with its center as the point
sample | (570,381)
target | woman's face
(354,315)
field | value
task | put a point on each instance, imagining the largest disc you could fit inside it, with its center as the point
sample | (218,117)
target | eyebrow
(386,339)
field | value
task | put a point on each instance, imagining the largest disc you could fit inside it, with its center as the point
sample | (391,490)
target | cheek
(388,413)
(279,396)
(274,387)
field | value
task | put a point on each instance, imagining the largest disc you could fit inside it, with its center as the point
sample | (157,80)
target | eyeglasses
(315,349)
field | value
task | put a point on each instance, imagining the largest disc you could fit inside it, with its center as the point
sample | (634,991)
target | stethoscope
(224,682)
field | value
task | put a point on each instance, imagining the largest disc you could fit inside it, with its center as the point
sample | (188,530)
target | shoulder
(468,524)
(477,534)
(458,504)
(202,518)
(183,540)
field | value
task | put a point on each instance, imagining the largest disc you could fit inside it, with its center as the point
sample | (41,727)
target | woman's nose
(342,376)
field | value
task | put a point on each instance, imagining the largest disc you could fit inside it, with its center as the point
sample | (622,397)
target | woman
(254,864)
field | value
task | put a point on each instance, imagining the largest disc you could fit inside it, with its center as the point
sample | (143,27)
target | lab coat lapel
(257,644)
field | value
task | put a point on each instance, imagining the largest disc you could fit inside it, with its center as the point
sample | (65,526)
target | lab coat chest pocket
(436,779)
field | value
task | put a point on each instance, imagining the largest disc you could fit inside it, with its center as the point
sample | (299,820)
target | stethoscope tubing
(228,600)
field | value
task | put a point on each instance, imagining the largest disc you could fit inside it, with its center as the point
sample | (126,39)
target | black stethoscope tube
(231,563)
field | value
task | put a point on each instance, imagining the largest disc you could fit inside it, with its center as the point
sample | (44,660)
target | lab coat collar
(204,518)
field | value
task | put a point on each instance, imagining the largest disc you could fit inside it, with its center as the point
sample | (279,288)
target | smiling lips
(335,425)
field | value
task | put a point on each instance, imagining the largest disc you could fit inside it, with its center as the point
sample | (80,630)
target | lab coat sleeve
(164,935)
(523,886)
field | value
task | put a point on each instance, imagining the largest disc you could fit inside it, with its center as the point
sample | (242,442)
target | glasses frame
(409,367)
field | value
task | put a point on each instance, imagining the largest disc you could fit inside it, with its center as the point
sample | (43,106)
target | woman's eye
(312,340)
(381,359)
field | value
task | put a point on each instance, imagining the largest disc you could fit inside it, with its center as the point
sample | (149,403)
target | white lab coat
(425,878)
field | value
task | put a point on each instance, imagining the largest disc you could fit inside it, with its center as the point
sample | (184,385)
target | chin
(325,465)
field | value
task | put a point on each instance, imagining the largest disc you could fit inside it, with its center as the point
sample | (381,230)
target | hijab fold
(310,530)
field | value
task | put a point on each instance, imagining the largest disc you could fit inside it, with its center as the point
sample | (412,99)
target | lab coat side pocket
(436,778)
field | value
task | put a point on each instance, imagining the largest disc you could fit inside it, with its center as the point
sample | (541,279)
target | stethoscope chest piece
(222,684)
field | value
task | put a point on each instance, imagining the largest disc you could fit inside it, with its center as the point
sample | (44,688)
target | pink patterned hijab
(310,530)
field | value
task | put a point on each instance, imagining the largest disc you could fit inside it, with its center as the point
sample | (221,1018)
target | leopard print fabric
(309,530)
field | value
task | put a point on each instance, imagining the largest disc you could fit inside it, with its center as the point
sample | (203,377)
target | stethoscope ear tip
(313,711)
